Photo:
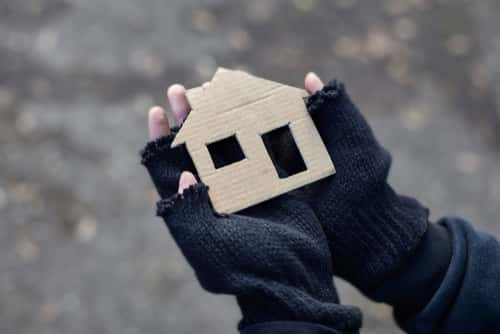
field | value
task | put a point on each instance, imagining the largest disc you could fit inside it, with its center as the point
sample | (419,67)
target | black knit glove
(273,257)
(371,230)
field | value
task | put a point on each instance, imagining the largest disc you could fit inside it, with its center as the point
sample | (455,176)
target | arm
(440,278)
(463,295)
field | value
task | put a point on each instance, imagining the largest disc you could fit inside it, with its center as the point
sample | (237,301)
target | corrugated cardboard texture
(236,103)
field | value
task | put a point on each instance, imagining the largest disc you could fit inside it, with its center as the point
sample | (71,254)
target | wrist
(412,287)
(301,327)
(290,304)
(380,233)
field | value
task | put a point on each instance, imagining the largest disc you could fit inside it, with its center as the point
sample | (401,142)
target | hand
(371,230)
(273,257)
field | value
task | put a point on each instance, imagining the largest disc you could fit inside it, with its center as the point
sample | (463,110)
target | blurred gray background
(80,248)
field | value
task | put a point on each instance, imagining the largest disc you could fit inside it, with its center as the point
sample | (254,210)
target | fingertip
(313,83)
(178,102)
(156,113)
(186,180)
(157,123)
(176,90)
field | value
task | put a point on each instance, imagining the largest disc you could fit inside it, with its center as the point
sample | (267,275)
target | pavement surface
(80,248)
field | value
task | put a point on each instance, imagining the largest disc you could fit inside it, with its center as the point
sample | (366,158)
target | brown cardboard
(237,103)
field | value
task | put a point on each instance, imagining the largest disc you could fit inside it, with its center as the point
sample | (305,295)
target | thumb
(313,83)
(187,212)
(186,180)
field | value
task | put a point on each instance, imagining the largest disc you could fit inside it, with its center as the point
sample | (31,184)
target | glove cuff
(297,306)
(330,92)
(301,327)
(165,164)
(192,203)
(380,235)
(157,147)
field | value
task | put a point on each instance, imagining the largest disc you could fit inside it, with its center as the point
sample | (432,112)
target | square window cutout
(284,152)
(225,152)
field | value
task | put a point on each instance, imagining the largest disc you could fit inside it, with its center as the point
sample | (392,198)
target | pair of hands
(278,258)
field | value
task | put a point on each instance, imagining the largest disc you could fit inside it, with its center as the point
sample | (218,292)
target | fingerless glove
(273,257)
(371,229)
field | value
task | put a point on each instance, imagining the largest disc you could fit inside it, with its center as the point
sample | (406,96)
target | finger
(186,180)
(157,123)
(313,83)
(178,102)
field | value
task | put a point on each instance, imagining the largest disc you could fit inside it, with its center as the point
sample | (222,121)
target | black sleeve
(450,285)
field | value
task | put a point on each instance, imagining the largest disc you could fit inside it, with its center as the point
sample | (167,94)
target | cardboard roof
(228,90)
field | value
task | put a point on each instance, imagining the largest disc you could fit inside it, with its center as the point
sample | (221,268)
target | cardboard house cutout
(237,111)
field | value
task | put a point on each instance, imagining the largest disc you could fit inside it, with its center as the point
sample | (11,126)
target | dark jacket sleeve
(468,299)
(448,289)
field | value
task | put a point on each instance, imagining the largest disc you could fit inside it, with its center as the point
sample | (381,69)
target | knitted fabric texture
(371,229)
(166,164)
(273,257)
